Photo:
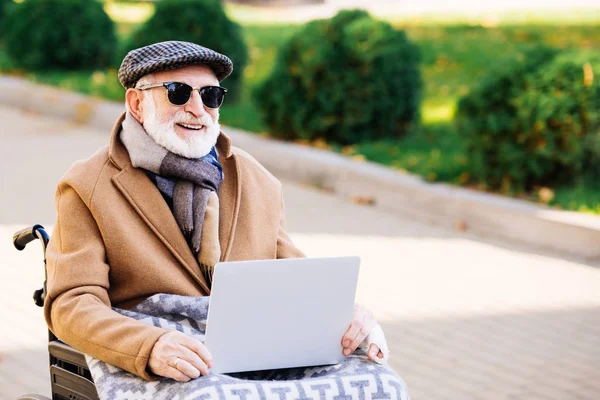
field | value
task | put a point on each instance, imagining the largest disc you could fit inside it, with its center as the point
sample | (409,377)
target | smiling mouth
(191,127)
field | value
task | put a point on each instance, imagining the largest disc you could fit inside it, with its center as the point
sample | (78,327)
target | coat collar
(147,201)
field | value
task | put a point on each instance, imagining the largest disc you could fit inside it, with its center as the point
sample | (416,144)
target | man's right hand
(180,357)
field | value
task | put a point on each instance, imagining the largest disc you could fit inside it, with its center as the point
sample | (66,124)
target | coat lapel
(229,204)
(147,201)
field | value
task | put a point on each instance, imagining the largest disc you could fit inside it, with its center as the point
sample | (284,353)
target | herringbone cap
(169,55)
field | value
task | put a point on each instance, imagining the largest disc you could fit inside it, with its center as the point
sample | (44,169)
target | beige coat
(116,242)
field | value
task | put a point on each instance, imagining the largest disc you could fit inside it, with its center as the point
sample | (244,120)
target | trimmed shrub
(560,108)
(546,128)
(3,5)
(59,34)
(347,79)
(485,119)
(198,21)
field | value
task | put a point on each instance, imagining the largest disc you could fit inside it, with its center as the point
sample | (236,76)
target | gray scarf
(195,200)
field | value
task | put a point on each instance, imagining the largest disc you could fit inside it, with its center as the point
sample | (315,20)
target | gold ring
(177,359)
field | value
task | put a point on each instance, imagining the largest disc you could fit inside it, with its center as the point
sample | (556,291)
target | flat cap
(169,55)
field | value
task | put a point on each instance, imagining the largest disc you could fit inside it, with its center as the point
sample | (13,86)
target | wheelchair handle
(20,240)
(24,236)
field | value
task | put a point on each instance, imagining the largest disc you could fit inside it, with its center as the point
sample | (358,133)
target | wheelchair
(70,377)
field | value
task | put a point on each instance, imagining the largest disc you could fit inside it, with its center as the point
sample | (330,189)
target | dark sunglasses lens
(212,96)
(179,93)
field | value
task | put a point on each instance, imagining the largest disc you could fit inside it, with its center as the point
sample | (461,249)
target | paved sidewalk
(466,317)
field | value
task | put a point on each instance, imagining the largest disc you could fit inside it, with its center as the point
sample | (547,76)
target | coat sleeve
(285,247)
(77,306)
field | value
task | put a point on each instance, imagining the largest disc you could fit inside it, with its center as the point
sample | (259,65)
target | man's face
(189,130)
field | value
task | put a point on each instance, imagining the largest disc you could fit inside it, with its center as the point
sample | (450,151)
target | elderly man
(155,210)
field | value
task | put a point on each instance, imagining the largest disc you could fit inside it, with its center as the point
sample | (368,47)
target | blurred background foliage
(65,35)
(345,80)
(3,5)
(533,121)
(198,21)
(547,149)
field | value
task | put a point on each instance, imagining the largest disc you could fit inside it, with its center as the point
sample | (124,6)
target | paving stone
(466,317)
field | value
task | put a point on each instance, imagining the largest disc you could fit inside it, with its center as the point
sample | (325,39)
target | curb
(567,233)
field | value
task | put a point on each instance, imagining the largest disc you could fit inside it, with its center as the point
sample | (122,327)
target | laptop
(272,314)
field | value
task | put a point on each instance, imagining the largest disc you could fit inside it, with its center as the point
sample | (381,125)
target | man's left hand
(362,323)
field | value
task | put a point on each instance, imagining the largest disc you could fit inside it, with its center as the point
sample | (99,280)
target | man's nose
(195,105)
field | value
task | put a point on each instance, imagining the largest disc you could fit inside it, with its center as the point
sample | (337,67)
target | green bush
(346,80)
(485,119)
(560,107)
(3,5)
(537,124)
(198,21)
(59,34)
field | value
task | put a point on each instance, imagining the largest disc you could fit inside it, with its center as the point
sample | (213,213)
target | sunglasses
(180,93)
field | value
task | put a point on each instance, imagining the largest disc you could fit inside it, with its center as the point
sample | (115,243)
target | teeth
(196,127)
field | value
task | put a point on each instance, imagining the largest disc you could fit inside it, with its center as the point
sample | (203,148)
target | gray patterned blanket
(355,378)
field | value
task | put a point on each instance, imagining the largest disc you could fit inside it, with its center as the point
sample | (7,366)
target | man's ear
(133,98)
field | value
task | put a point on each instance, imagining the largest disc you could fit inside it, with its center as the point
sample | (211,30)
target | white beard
(163,132)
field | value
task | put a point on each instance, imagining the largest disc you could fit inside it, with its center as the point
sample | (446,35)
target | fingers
(354,328)
(365,328)
(350,336)
(179,357)
(362,323)
(174,373)
(194,360)
(189,370)
(374,352)
(199,349)
(167,369)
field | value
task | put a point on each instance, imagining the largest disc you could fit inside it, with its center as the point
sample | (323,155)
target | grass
(435,153)
(583,196)
(263,42)
(454,57)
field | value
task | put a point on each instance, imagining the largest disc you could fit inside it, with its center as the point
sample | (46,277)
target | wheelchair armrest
(67,353)
(65,383)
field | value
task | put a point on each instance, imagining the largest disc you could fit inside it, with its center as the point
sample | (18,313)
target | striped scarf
(188,185)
